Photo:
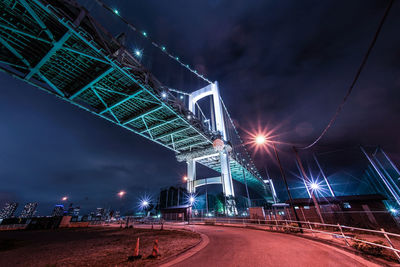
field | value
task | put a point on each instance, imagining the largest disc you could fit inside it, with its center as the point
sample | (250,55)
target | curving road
(229,246)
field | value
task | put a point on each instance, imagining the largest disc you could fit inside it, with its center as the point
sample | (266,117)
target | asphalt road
(229,246)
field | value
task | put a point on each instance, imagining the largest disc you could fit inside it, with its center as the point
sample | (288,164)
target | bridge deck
(58,47)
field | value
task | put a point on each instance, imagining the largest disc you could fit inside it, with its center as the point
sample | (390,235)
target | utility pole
(287,187)
(317,207)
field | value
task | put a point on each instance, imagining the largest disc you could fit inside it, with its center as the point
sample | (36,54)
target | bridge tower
(226,176)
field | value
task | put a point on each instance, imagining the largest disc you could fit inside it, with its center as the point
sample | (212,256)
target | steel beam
(147,112)
(101,76)
(121,102)
(160,124)
(14,51)
(36,18)
(57,45)
(178,130)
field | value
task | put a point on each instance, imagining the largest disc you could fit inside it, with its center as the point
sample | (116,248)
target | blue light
(144,34)
(394,211)
(163,48)
(116,11)
(177,58)
(138,53)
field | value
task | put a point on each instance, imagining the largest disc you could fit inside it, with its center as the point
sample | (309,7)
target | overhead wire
(355,79)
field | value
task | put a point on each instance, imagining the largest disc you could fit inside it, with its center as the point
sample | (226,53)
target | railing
(336,231)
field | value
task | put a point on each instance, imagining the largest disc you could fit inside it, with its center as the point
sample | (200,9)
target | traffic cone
(155,253)
(136,255)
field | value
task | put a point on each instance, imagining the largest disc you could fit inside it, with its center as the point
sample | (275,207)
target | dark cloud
(283,63)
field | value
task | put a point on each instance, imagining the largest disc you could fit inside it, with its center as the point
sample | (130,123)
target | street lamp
(314,186)
(261,140)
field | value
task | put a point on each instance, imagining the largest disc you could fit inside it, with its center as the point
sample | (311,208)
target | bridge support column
(227,183)
(191,175)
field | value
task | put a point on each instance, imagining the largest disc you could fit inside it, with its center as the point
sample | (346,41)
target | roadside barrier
(155,253)
(136,254)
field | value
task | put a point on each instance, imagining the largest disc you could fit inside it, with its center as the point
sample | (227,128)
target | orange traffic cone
(155,253)
(136,255)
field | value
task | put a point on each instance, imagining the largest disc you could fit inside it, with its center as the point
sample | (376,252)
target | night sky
(281,65)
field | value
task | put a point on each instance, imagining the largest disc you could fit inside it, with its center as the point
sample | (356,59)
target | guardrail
(338,231)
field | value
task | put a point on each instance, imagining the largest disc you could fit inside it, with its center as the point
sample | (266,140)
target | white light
(145,203)
(393,210)
(181,97)
(260,140)
(191,200)
(116,11)
(314,186)
(138,53)
(189,117)
(164,95)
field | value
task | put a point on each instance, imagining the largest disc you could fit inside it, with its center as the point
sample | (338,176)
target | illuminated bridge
(58,47)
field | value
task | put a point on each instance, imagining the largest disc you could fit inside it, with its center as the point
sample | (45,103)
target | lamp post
(261,140)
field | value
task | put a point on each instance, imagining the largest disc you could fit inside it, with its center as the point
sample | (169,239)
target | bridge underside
(56,46)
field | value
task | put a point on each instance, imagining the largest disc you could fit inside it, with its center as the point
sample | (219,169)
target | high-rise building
(58,210)
(8,210)
(100,212)
(29,210)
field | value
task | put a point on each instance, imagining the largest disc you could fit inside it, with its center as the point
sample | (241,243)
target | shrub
(289,228)
(369,248)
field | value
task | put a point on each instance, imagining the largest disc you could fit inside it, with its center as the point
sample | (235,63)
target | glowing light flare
(144,202)
(314,186)
(260,139)
(164,95)
(121,193)
(65,198)
(185,178)
(394,211)
(138,53)
(116,11)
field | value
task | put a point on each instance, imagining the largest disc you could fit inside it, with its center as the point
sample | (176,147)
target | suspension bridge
(58,47)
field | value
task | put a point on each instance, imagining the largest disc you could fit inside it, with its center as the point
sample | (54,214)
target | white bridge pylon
(226,177)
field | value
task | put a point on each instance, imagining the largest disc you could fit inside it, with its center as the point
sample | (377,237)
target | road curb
(187,253)
(364,256)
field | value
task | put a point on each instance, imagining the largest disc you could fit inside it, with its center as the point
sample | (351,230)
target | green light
(144,34)
(163,48)
(116,11)
(177,58)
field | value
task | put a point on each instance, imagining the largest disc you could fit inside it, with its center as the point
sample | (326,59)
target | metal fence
(348,233)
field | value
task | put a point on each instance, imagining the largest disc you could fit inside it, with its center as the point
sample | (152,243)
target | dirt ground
(97,246)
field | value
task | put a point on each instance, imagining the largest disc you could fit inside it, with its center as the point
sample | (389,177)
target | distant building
(365,211)
(73,211)
(100,212)
(58,210)
(29,210)
(8,210)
